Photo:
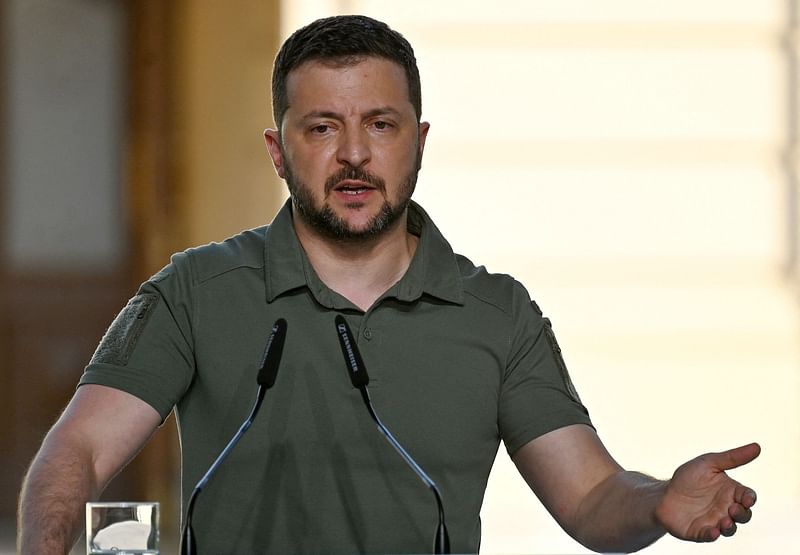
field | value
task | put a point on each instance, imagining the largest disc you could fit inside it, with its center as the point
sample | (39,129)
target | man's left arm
(607,508)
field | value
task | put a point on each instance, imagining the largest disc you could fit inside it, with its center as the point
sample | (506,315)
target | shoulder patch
(562,366)
(121,337)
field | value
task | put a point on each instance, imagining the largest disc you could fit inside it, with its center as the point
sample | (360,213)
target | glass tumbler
(122,529)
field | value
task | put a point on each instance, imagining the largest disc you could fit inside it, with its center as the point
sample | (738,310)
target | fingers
(744,496)
(743,499)
(729,531)
(712,533)
(708,534)
(727,525)
(740,514)
(734,458)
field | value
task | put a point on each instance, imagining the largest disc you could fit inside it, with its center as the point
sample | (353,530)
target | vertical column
(221,107)
(156,225)
(197,167)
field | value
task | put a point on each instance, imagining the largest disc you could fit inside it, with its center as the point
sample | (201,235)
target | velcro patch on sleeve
(562,366)
(121,337)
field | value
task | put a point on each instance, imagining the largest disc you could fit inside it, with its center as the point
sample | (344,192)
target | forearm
(619,513)
(99,432)
(51,510)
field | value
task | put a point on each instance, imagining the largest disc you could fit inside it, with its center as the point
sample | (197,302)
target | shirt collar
(433,270)
(283,255)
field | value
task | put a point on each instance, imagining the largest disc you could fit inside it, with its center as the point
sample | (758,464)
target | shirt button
(367,334)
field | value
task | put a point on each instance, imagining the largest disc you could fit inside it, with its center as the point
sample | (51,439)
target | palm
(702,502)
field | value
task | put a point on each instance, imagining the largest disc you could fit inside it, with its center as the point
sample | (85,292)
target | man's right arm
(100,431)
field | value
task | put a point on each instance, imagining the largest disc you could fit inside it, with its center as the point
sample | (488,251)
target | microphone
(265,379)
(359,378)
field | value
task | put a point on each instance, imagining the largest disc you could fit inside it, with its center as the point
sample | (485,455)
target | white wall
(624,160)
(65,86)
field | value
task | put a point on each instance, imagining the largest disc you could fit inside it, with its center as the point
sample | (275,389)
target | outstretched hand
(702,502)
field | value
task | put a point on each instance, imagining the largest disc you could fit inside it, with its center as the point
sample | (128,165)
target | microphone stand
(360,379)
(188,545)
(441,542)
(266,379)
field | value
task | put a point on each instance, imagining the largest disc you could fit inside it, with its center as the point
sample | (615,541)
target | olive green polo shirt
(458,359)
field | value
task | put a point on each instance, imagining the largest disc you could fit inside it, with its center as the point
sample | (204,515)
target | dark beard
(325,222)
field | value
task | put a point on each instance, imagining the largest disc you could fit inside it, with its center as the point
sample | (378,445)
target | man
(459,358)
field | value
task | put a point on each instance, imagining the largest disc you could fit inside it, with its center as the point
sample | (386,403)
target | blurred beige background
(633,162)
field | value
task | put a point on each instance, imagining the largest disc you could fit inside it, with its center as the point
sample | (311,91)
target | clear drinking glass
(122,529)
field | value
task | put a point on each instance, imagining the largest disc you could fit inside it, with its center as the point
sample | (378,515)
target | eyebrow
(380,111)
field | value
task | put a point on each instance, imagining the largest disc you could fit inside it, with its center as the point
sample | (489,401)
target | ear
(424,126)
(273,140)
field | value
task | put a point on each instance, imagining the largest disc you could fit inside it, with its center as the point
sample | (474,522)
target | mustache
(357,174)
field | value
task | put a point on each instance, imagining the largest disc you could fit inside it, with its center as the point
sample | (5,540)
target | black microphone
(359,378)
(265,379)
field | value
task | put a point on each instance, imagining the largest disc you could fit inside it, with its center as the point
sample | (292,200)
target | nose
(354,147)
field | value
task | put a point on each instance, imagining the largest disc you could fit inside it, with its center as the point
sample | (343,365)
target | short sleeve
(537,395)
(147,349)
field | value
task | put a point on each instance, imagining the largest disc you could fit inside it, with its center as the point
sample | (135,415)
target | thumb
(734,458)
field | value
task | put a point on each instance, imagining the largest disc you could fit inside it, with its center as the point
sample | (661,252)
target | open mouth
(353,191)
(353,188)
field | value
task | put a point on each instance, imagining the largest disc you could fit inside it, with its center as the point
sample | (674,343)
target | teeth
(353,191)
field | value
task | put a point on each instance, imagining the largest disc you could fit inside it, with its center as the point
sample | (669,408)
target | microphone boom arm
(359,378)
(442,539)
(265,379)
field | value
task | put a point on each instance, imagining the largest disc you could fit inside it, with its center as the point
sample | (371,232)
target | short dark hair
(346,40)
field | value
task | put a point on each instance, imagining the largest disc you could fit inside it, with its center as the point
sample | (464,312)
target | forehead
(326,84)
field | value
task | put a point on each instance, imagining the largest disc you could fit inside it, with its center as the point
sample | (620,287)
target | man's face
(349,146)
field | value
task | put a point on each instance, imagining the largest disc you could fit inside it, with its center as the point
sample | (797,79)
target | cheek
(311,165)
(402,163)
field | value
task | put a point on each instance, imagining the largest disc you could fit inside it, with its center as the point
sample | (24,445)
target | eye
(321,129)
(382,125)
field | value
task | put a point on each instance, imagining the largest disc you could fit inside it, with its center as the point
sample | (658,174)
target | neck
(361,271)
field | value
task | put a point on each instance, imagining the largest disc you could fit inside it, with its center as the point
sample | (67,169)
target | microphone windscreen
(272,354)
(352,358)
